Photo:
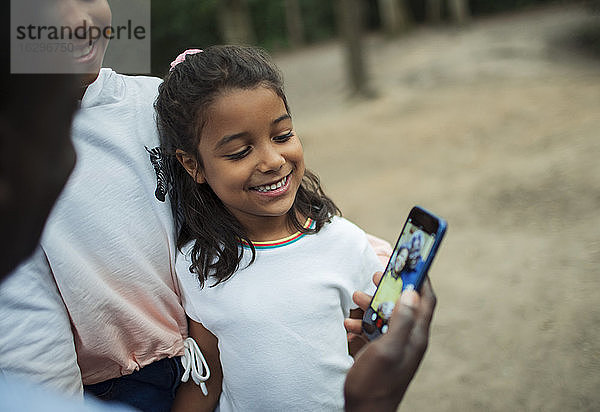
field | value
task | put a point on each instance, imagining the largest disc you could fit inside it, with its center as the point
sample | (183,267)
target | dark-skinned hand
(384,368)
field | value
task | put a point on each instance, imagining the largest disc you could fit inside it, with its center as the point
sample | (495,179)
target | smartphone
(412,256)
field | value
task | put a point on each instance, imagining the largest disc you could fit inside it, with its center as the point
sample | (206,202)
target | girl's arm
(189,395)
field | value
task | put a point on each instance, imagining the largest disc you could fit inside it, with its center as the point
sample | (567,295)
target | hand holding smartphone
(412,256)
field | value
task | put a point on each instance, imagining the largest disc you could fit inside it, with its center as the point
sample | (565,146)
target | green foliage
(268,18)
(181,24)
(319,20)
(478,7)
(269,21)
(494,6)
(178,25)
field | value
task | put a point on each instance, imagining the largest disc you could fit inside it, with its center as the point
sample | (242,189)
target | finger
(361,299)
(401,325)
(410,298)
(356,313)
(356,343)
(405,314)
(377,278)
(419,338)
(353,325)
(428,303)
(356,338)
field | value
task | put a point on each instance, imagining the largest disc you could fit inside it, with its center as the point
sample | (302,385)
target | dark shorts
(150,389)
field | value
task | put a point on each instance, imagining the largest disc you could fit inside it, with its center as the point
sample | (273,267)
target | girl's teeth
(274,186)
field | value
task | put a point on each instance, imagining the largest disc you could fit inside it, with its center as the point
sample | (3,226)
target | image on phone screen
(404,271)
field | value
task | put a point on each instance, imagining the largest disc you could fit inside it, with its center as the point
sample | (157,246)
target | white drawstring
(195,365)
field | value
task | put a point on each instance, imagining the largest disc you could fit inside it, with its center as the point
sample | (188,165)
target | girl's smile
(274,189)
(251,158)
(223,115)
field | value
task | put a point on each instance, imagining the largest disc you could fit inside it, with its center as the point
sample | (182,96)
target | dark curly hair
(183,99)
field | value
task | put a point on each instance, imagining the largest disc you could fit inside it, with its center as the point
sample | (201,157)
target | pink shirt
(110,242)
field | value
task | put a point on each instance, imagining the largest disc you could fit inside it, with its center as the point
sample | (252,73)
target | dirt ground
(496,127)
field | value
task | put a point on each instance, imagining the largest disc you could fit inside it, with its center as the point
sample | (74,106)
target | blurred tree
(394,16)
(351,22)
(319,19)
(434,11)
(459,11)
(235,22)
(493,6)
(180,24)
(295,26)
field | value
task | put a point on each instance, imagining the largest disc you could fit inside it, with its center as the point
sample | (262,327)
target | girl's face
(73,13)
(251,156)
(400,260)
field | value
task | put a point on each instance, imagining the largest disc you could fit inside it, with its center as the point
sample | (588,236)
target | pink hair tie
(181,57)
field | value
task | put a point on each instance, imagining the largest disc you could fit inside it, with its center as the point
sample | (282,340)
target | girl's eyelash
(279,139)
(238,155)
(284,137)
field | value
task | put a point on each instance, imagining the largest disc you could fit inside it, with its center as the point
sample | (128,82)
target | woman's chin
(89,65)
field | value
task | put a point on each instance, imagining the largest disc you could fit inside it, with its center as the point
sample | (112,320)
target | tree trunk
(295,25)
(235,22)
(394,16)
(434,11)
(350,16)
(459,11)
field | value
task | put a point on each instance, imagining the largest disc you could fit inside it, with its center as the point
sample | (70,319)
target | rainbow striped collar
(273,244)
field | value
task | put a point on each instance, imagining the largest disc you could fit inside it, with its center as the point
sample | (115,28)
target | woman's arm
(189,395)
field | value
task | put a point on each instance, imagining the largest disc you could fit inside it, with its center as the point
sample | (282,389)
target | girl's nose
(271,160)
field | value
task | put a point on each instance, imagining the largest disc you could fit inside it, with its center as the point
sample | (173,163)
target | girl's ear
(190,164)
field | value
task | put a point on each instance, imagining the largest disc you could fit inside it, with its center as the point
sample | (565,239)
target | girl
(267,266)
(400,261)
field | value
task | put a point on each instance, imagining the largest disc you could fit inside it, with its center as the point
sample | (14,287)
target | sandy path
(497,128)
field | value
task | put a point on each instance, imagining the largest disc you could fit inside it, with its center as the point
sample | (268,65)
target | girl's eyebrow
(282,118)
(231,137)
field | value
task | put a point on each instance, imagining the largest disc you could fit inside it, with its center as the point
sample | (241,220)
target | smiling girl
(267,267)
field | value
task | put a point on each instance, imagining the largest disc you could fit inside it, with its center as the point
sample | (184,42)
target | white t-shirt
(279,321)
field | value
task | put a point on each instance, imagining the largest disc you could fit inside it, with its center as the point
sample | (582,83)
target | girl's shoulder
(183,259)
(344,231)
(184,253)
(339,223)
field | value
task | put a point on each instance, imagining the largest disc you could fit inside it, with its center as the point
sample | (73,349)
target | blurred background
(486,112)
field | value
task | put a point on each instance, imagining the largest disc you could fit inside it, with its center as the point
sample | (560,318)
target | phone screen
(405,270)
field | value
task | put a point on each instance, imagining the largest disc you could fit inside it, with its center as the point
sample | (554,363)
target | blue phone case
(422,233)
(439,235)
